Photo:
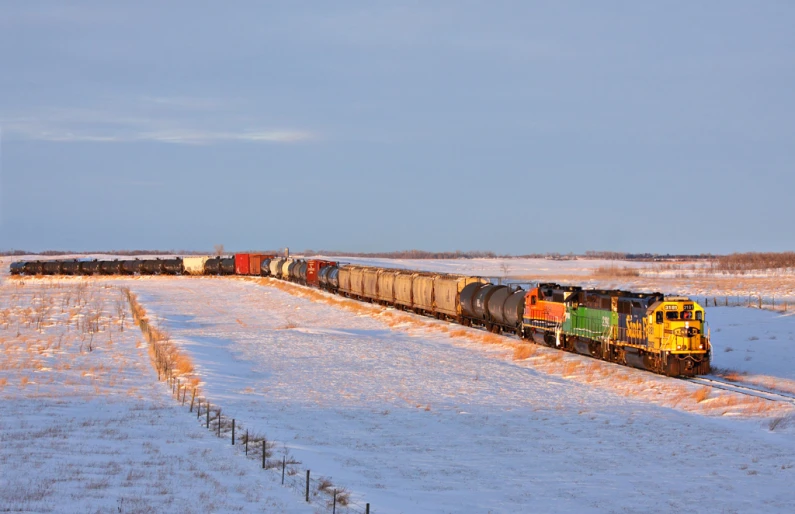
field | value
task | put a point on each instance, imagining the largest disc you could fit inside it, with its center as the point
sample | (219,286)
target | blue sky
(515,127)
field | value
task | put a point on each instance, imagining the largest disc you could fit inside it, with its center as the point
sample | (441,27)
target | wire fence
(751,301)
(319,491)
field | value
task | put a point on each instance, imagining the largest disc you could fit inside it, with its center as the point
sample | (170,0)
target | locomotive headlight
(701,346)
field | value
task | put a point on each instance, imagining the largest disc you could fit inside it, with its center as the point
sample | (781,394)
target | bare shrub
(343,497)
(729,374)
(289,324)
(753,261)
(324,485)
(781,422)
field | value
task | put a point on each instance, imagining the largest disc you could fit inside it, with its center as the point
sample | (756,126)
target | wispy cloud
(197,137)
(173,120)
(176,136)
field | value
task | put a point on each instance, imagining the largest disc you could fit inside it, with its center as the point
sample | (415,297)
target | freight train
(663,334)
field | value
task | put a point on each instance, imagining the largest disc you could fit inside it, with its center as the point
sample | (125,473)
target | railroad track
(758,392)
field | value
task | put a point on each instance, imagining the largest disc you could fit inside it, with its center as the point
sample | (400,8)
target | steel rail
(765,394)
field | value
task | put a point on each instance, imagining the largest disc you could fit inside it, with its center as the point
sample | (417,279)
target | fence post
(192,398)
(367,508)
(208,415)
(199,409)
(334,506)
(233,431)
(264,444)
(219,422)
(307,486)
(284,465)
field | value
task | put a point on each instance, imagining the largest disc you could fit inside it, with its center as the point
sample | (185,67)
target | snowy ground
(415,415)
(86,426)
(755,344)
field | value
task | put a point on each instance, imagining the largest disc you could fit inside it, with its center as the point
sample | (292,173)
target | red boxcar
(242,263)
(313,267)
(255,262)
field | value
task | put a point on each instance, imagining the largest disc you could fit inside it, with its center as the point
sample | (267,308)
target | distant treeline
(740,262)
(621,256)
(418,254)
(458,254)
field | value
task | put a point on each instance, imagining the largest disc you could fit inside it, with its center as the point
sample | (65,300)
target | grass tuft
(701,394)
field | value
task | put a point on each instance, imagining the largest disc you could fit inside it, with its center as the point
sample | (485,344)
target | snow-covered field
(773,286)
(756,344)
(86,426)
(414,416)
(407,413)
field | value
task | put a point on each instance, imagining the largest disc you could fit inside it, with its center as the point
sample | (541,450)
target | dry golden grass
(183,364)
(772,383)
(82,313)
(615,272)
(524,351)
(701,394)
(571,367)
